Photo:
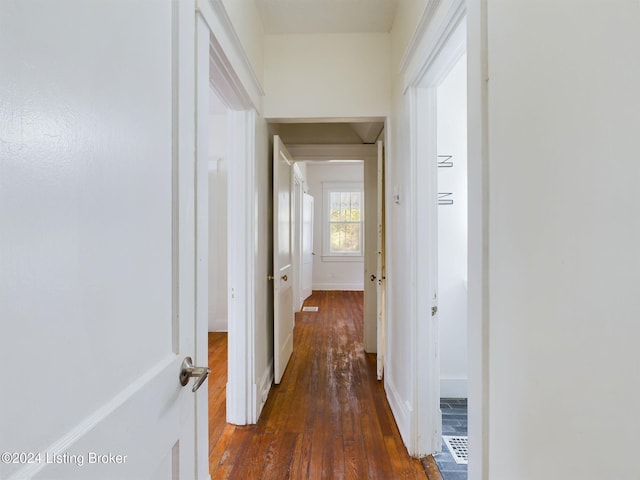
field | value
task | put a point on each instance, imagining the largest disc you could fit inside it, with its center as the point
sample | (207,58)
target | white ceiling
(327,16)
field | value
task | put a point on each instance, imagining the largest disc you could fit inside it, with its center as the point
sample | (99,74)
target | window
(344,219)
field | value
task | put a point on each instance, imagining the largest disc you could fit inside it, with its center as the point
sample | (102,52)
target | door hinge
(434,310)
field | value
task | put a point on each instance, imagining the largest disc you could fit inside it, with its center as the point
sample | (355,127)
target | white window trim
(327,187)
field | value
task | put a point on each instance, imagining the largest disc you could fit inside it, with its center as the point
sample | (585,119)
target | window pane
(344,223)
(355,206)
(345,238)
(334,214)
(345,205)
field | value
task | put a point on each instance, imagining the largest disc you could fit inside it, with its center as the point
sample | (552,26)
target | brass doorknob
(285,278)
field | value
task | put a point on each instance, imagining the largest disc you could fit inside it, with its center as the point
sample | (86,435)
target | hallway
(329,417)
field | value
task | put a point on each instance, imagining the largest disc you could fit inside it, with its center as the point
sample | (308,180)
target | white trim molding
(224,81)
(354,287)
(425,345)
(419,34)
(201,231)
(238,79)
(228,71)
(439,20)
(241,407)
(262,388)
(402,411)
(436,46)
(478,246)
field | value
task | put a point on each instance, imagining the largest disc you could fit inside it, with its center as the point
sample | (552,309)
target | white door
(371,250)
(296,225)
(307,246)
(380,273)
(283,315)
(96,243)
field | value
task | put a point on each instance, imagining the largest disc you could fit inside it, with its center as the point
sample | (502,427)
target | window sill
(342,258)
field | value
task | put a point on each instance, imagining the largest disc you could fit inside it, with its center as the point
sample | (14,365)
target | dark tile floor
(454,422)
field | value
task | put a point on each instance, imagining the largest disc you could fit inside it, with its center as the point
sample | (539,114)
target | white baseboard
(263,388)
(338,286)
(218,325)
(453,387)
(401,410)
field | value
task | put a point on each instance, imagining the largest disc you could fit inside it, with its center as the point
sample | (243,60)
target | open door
(283,314)
(97,249)
(307,246)
(380,273)
(374,276)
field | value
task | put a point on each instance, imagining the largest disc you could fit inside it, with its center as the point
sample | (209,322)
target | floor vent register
(458,448)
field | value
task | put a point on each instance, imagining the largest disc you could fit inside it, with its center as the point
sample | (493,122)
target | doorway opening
(442,226)
(337,223)
(335,164)
(452,227)
(217,128)
(225,182)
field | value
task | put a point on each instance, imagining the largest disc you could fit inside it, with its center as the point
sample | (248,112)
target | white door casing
(238,90)
(380,273)
(307,246)
(434,61)
(97,245)
(296,225)
(282,258)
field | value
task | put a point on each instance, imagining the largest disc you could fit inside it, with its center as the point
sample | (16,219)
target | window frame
(327,189)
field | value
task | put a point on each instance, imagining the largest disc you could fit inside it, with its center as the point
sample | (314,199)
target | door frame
(297,194)
(368,153)
(432,51)
(222,65)
(427,416)
(303,270)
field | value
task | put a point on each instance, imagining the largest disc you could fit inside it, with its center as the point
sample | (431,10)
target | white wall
(316,76)
(563,120)
(562,293)
(399,371)
(218,305)
(452,233)
(332,274)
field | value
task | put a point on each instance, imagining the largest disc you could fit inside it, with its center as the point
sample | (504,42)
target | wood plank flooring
(328,418)
(431,467)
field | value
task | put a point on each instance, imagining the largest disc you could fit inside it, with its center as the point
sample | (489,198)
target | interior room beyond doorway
(452,269)
(339,160)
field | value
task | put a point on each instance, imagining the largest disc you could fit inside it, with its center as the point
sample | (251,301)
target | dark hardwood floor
(431,467)
(328,418)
